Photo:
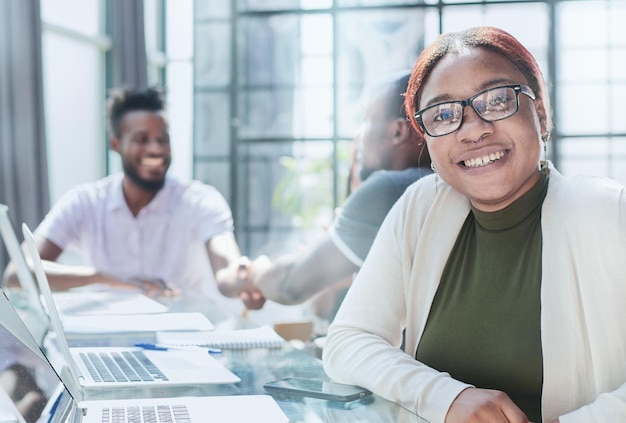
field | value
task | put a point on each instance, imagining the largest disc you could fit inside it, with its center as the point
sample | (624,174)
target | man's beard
(144,184)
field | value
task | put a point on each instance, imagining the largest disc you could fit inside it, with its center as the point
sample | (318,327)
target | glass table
(257,366)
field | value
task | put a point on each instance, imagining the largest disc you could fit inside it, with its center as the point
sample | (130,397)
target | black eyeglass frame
(517,89)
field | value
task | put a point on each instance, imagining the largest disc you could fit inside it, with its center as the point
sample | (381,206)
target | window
(277,86)
(74,46)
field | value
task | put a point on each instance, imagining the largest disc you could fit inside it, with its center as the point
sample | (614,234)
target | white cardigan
(583,301)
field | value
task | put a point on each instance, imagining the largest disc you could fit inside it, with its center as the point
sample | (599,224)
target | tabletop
(257,366)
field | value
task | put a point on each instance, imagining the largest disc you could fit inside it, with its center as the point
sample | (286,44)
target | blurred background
(263,95)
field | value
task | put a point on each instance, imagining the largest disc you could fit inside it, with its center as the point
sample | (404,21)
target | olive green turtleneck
(484,323)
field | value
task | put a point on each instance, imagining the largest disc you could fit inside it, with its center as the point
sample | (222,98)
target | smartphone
(317,388)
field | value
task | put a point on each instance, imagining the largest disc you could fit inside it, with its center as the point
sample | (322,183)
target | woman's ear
(544,121)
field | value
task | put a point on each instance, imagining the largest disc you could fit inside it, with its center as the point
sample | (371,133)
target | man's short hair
(124,100)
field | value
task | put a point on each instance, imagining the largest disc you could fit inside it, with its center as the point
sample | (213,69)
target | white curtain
(23,161)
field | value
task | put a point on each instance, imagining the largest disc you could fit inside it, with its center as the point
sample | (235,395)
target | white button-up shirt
(165,240)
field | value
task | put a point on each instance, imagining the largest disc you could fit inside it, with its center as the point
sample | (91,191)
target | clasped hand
(475,405)
(249,293)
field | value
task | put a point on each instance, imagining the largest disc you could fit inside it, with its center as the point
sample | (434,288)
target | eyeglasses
(491,105)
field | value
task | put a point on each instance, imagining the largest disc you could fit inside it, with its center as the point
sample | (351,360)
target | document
(261,337)
(127,330)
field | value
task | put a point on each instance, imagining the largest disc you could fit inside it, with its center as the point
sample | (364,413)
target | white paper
(136,323)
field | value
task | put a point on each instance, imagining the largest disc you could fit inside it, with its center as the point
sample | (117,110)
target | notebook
(62,405)
(116,367)
(261,337)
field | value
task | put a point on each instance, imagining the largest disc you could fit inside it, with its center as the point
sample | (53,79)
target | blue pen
(155,347)
(147,346)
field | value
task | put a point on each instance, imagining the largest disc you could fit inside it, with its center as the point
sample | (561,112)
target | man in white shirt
(140,227)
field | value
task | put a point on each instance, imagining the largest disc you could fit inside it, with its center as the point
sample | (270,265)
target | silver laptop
(116,367)
(75,302)
(57,403)
(26,299)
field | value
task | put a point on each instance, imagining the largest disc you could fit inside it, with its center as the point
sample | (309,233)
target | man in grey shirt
(389,157)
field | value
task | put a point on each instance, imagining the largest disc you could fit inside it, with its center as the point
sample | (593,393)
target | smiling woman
(504,275)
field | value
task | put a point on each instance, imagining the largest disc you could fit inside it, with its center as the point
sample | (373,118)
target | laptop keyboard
(123,366)
(146,414)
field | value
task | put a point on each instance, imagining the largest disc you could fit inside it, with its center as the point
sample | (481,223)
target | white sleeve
(363,341)
(62,224)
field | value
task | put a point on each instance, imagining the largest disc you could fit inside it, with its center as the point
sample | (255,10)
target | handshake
(289,279)
(247,280)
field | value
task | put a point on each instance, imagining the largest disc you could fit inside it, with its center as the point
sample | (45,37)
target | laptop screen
(36,319)
(29,384)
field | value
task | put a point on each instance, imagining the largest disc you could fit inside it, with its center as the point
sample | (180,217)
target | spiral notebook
(237,339)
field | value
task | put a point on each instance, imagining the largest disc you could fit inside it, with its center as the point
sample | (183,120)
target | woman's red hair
(490,38)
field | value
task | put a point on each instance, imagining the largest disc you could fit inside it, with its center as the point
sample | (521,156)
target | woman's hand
(475,405)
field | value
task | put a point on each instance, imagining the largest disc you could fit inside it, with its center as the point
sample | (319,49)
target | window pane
(269,50)
(212,124)
(352,3)
(466,1)
(579,65)
(575,17)
(216,173)
(507,17)
(617,57)
(77,15)
(268,5)
(285,113)
(287,184)
(617,17)
(585,99)
(204,9)
(364,53)
(179,83)
(179,30)
(594,156)
(73,107)
(212,54)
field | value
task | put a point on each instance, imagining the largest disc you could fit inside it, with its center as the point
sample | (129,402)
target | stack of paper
(127,330)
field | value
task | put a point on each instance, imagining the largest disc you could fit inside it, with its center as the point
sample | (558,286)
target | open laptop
(61,404)
(117,367)
(28,299)
(75,302)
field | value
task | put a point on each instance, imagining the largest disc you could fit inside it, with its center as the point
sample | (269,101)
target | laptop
(28,299)
(60,404)
(121,367)
(75,302)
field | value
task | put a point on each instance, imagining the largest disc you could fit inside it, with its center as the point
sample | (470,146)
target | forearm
(60,277)
(63,277)
(354,356)
(293,279)
(277,282)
